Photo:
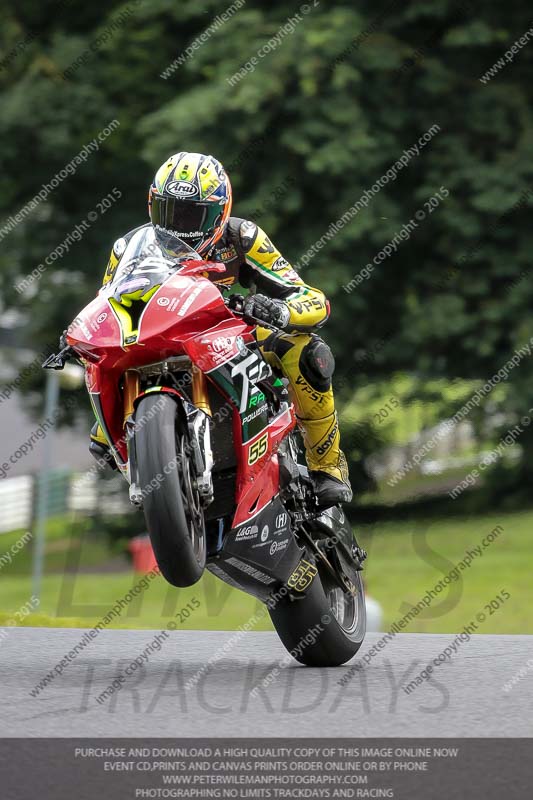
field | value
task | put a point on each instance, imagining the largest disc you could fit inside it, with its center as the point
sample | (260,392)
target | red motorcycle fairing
(239,379)
(256,444)
(211,349)
(175,311)
(258,484)
(151,313)
(172,316)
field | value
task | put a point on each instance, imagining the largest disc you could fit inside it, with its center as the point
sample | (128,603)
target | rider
(190,199)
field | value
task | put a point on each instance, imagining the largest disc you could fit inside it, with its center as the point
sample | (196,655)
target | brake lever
(57,361)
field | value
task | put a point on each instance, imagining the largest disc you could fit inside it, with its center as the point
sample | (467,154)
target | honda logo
(281,521)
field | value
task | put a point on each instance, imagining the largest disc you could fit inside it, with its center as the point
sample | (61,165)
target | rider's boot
(326,461)
(308,363)
(99,447)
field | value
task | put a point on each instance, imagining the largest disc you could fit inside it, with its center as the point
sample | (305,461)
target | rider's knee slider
(317,364)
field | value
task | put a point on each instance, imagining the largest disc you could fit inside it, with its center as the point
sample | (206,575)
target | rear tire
(324,628)
(172,510)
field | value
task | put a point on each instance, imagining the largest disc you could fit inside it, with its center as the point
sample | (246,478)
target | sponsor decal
(220,349)
(316,304)
(265,533)
(216,570)
(102,317)
(302,576)
(248,232)
(249,570)
(248,532)
(86,332)
(251,370)
(279,264)
(182,188)
(281,520)
(163,301)
(323,448)
(276,547)
(176,235)
(190,300)
(318,398)
(227,254)
(255,399)
(254,414)
(243,350)
(267,246)
(222,344)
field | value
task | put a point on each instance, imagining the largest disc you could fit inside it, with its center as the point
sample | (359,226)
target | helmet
(190,200)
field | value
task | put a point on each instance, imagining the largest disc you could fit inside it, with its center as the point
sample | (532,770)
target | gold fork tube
(200,397)
(131,392)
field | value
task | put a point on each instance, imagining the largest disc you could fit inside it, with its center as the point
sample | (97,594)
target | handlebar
(236,304)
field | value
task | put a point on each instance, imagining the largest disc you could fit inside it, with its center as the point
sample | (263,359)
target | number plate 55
(258,449)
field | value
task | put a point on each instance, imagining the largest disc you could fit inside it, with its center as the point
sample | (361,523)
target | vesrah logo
(182,188)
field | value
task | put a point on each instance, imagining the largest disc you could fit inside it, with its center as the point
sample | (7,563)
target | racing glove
(263,308)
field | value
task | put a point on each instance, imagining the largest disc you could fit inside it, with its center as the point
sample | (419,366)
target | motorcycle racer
(190,200)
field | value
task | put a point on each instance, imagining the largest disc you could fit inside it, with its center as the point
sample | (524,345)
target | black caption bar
(405,769)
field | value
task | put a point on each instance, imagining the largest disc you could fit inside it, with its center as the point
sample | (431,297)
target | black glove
(265,309)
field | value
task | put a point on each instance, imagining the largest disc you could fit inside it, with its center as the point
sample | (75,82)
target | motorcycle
(205,434)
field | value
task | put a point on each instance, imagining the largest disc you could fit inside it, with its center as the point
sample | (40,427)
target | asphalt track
(464,696)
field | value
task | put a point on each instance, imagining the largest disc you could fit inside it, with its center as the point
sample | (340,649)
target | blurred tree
(333,106)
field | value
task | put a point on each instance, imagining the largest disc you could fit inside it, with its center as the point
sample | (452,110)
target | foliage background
(323,117)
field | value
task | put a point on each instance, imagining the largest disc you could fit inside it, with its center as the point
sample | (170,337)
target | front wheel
(326,626)
(172,508)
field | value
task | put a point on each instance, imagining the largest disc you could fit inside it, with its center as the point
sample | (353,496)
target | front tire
(324,628)
(172,509)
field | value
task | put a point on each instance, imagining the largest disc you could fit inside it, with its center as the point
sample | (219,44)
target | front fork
(131,391)
(198,414)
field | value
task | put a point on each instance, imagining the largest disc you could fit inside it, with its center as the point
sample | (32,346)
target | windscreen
(148,254)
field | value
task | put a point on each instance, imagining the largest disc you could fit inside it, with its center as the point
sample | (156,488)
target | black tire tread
(163,506)
(294,619)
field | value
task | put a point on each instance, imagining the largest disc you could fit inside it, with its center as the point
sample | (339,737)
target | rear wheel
(326,627)
(172,507)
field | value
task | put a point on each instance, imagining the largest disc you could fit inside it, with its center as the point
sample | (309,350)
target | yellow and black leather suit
(255,264)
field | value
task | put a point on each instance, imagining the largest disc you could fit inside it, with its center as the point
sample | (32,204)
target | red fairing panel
(218,345)
(259,483)
(96,327)
(107,401)
(174,314)
(180,308)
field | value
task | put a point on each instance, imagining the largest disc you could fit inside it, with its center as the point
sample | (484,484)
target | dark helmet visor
(187,220)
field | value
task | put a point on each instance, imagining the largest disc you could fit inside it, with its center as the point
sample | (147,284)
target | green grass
(63,537)
(405,560)
(82,600)
(415,485)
